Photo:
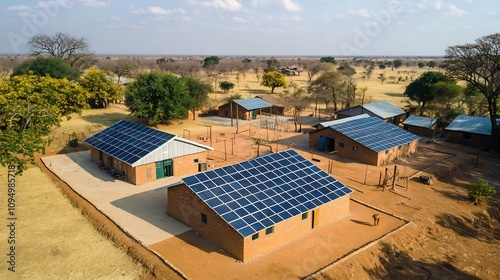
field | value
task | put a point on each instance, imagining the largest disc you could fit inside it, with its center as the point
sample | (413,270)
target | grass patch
(394,94)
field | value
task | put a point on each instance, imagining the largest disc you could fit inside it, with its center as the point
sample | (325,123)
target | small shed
(383,110)
(256,206)
(470,130)
(243,109)
(367,139)
(140,154)
(277,108)
(421,126)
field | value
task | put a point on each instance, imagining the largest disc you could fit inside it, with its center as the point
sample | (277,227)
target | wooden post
(394,176)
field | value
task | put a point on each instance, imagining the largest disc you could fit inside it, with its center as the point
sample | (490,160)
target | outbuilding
(277,107)
(470,130)
(367,139)
(383,110)
(140,154)
(421,126)
(243,109)
(256,206)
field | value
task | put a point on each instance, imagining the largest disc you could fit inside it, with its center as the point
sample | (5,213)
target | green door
(254,114)
(164,169)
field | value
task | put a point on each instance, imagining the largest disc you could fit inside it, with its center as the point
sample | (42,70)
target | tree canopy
(101,91)
(421,91)
(478,64)
(198,92)
(327,59)
(211,61)
(273,80)
(53,66)
(226,86)
(158,97)
(30,106)
(61,45)
(329,86)
(272,65)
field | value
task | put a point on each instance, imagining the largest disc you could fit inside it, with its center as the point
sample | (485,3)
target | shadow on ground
(107,119)
(396,264)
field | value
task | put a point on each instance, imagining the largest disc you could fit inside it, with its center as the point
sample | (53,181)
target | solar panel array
(375,134)
(127,141)
(264,191)
(253,103)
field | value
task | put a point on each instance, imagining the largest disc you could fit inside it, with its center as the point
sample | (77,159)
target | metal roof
(329,123)
(383,109)
(375,134)
(261,192)
(471,124)
(132,143)
(253,103)
(420,121)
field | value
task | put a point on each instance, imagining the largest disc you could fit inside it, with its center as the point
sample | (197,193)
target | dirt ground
(448,237)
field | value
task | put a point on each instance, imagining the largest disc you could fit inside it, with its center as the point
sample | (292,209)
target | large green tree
(211,61)
(158,97)
(53,66)
(420,90)
(226,86)
(198,92)
(101,90)
(273,80)
(30,106)
(478,64)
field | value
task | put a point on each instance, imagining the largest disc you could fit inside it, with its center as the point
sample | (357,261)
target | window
(399,148)
(386,152)
(305,215)
(203,218)
(270,230)
(195,160)
(255,236)
(354,148)
(341,145)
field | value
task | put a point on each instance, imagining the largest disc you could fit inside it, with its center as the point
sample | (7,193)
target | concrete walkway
(138,210)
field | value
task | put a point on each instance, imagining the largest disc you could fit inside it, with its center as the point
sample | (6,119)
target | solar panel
(261,201)
(375,134)
(127,141)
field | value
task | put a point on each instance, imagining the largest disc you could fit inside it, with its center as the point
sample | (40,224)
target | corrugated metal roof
(271,100)
(329,123)
(375,134)
(420,121)
(259,193)
(384,109)
(471,124)
(136,144)
(253,103)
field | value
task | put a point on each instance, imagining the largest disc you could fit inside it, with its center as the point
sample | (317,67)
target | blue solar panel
(253,201)
(375,134)
(127,141)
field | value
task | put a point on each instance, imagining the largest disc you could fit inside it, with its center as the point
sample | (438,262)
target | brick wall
(476,140)
(186,164)
(185,206)
(141,175)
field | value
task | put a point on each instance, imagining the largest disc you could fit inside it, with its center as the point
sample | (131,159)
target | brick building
(383,110)
(255,206)
(470,130)
(420,126)
(140,154)
(277,107)
(243,109)
(367,139)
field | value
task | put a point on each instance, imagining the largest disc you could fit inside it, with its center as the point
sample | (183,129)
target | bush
(479,190)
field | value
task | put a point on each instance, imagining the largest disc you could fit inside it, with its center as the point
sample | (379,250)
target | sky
(253,27)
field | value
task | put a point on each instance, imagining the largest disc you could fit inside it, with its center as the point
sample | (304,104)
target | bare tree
(479,64)
(123,66)
(60,45)
(299,101)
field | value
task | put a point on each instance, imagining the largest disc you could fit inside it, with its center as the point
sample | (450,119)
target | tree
(52,66)
(273,65)
(198,92)
(446,93)
(246,61)
(61,45)
(397,63)
(226,86)
(210,62)
(479,65)
(479,190)
(432,64)
(299,102)
(421,65)
(101,91)
(348,72)
(232,97)
(327,59)
(121,67)
(30,106)
(158,97)
(381,65)
(475,101)
(273,80)
(420,90)
(329,86)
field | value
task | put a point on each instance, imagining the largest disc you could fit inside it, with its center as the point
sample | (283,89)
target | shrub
(479,190)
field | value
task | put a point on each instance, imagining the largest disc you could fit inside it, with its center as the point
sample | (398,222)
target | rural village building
(141,154)
(243,109)
(255,206)
(383,110)
(421,126)
(277,107)
(470,130)
(367,139)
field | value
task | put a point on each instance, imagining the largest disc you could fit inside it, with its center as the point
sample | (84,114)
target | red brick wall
(185,206)
(185,165)
(476,140)
(139,174)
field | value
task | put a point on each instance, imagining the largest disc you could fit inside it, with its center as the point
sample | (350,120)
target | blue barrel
(321,143)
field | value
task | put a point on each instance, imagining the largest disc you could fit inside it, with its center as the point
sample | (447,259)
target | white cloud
(360,12)
(158,11)
(231,5)
(18,8)
(155,10)
(93,3)
(239,19)
(295,18)
(291,6)
(455,11)
(438,4)
(116,18)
